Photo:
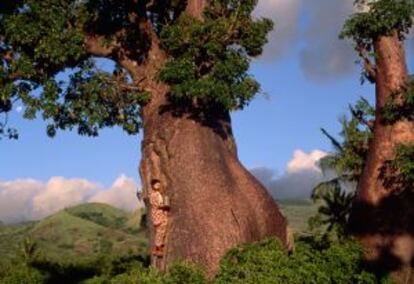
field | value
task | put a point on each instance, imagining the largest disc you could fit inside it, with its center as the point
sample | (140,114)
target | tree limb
(361,119)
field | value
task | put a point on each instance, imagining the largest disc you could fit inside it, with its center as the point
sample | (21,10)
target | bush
(139,275)
(23,274)
(180,273)
(264,262)
(267,262)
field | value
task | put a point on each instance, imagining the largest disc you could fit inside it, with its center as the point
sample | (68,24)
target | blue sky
(289,117)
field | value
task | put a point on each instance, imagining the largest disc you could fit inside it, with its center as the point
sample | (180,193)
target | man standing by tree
(159,217)
(181,67)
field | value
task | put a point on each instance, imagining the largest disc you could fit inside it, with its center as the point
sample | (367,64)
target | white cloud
(16,199)
(302,161)
(28,199)
(122,194)
(302,174)
(59,193)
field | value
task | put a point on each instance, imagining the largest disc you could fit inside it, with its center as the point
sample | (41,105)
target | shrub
(23,274)
(267,262)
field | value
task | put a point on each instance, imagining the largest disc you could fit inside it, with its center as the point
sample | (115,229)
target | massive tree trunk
(383,218)
(215,203)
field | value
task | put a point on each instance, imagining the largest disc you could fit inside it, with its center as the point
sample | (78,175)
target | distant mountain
(78,232)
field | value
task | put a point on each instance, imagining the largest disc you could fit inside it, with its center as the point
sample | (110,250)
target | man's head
(156,184)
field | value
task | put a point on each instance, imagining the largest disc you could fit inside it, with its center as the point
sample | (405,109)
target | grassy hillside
(79,232)
(297,213)
(11,236)
(91,229)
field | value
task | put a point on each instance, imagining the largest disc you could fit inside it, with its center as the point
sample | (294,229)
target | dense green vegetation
(384,18)
(345,164)
(96,243)
(265,262)
(210,58)
(77,233)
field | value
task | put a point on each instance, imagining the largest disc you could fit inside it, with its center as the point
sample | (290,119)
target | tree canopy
(49,52)
(372,20)
(378,18)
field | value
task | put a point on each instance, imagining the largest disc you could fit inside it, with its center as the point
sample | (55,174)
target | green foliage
(264,262)
(209,58)
(333,213)
(96,269)
(179,273)
(139,274)
(182,272)
(400,105)
(350,154)
(29,250)
(379,18)
(313,261)
(335,195)
(102,214)
(23,274)
(267,262)
(40,41)
(398,174)
(43,41)
(80,233)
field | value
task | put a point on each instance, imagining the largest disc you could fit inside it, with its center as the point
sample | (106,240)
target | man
(159,216)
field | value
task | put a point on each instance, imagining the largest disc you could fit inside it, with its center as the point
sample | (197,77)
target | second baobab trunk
(382,216)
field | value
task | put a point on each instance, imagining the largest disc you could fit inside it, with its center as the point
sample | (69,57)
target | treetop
(42,42)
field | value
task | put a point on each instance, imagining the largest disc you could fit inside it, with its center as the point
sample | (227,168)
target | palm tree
(335,195)
(335,206)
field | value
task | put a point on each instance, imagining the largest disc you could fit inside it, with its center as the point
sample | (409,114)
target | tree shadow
(389,228)
(208,115)
(76,272)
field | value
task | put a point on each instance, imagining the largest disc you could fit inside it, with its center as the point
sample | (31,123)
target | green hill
(101,214)
(11,236)
(297,213)
(91,229)
(78,232)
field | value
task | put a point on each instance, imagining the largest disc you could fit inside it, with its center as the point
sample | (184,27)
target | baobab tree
(180,68)
(382,216)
